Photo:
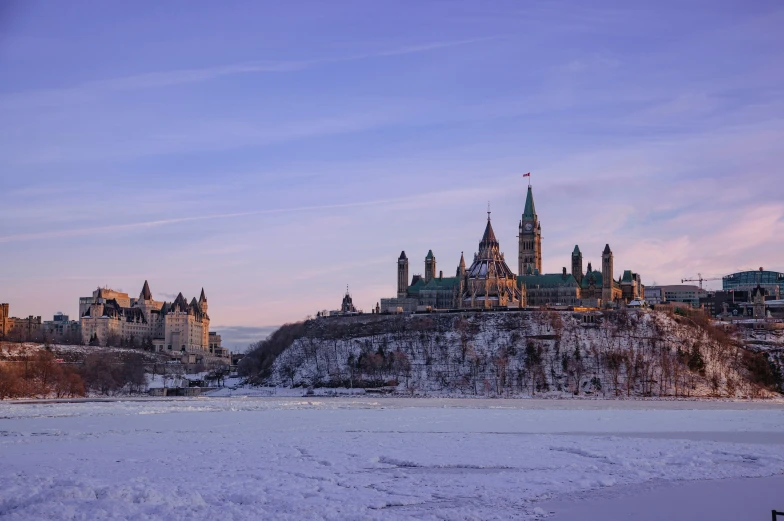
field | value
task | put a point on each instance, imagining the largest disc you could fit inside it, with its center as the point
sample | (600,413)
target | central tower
(530,237)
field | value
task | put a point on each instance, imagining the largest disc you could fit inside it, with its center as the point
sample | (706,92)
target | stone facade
(22,329)
(178,326)
(489,283)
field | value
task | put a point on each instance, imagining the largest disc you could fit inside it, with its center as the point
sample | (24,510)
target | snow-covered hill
(523,353)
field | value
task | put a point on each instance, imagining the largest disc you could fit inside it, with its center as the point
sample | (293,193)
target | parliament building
(489,283)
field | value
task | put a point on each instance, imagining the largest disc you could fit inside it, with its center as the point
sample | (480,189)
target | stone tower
(461,268)
(530,237)
(4,320)
(402,275)
(430,266)
(577,265)
(203,301)
(607,275)
(758,299)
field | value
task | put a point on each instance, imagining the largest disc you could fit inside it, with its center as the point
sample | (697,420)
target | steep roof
(489,236)
(576,250)
(202,297)
(417,284)
(597,278)
(441,283)
(180,304)
(530,209)
(146,294)
(429,255)
(402,255)
(462,260)
(607,249)
(548,280)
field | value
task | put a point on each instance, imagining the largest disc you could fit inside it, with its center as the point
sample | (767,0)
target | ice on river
(346,458)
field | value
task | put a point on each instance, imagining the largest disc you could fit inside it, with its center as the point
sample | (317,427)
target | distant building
(771,281)
(21,329)
(176,326)
(676,293)
(346,308)
(654,295)
(61,327)
(489,283)
(215,347)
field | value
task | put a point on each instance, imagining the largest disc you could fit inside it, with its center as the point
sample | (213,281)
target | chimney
(440,274)
(564,274)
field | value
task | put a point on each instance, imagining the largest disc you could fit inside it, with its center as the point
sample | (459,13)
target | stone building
(21,329)
(175,326)
(489,283)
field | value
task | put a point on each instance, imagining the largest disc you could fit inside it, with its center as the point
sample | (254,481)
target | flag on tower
(527,175)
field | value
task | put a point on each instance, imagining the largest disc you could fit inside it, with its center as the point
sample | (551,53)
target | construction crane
(700,279)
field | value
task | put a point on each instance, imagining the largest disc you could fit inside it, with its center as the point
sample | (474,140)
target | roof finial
(488,211)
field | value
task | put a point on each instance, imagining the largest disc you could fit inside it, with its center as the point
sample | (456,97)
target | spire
(489,236)
(429,254)
(146,294)
(530,209)
(606,249)
(462,260)
(402,256)
(576,250)
(202,297)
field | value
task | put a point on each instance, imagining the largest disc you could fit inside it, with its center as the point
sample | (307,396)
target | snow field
(297,458)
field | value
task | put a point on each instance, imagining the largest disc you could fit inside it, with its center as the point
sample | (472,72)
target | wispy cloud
(401,202)
(161,79)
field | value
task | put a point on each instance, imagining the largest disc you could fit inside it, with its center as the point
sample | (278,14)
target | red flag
(527,175)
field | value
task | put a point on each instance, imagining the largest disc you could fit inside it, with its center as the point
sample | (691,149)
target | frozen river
(345,459)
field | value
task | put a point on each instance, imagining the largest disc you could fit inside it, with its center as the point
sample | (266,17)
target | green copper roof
(598,279)
(416,287)
(576,250)
(548,280)
(429,254)
(442,283)
(628,276)
(434,284)
(530,209)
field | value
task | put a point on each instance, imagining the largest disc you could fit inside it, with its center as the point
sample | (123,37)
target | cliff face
(612,354)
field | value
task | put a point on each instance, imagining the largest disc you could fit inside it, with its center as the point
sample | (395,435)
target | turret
(430,266)
(607,274)
(461,267)
(145,295)
(402,275)
(203,301)
(577,264)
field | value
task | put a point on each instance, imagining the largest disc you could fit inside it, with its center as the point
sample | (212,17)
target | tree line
(38,373)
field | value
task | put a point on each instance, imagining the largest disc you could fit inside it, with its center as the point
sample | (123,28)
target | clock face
(529,227)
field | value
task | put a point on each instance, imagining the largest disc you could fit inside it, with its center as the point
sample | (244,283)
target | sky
(276,152)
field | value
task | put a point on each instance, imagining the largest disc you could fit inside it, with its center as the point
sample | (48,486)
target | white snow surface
(365,458)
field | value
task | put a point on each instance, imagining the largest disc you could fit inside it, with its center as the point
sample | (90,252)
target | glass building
(748,280)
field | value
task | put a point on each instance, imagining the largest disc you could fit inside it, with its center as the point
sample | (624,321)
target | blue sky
(275,152)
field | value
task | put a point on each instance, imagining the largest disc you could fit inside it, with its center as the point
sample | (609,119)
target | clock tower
(530,237)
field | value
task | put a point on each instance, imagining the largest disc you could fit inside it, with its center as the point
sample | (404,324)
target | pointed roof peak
(146,294)
(489,235)
(402,255)
(607,249)
(430,254)
(530,208)
(576,249)
(202,297)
